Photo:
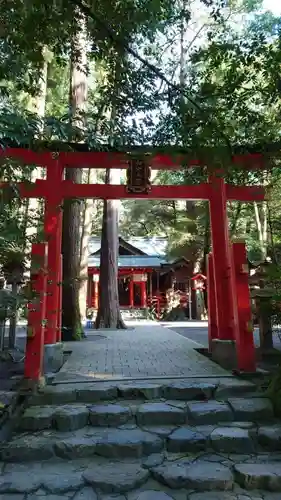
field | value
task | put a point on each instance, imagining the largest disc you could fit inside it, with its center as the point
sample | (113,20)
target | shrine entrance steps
(190,439)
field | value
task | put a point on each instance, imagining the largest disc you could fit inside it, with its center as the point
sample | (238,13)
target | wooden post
(143,294)
(245,347)
(150,286)
(96,291)
(224,285)
(89,291)
(59,320)
(131,292)
(53,232)
(36,315)
(212,306)
(157,283)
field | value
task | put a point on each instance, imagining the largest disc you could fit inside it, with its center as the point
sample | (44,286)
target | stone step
(70,417)
(114,443)
(209,476)
(202,478)
(259,476)
(185,390)
(131,441)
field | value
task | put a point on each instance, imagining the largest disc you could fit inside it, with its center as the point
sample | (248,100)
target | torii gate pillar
(223,347)
(245,347)
(53,351)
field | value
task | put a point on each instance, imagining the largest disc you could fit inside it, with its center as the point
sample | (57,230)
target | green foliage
(234,78)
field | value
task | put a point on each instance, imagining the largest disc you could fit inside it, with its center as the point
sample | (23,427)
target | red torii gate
(228,318)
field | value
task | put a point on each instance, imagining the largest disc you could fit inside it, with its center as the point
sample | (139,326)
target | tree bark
(86,224)
(71,317)
(109,314)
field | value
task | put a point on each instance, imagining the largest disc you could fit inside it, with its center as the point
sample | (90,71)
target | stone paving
(140,352)
(167,425)
(193,439)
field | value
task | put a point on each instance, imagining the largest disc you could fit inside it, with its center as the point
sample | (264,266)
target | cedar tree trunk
(109,315)
(71,318)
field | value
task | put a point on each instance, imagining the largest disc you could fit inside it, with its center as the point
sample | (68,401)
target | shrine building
(144,271)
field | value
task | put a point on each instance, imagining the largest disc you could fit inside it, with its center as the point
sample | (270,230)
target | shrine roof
(153,246)
(131,261)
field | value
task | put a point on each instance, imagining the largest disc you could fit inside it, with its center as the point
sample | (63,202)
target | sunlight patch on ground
(104,376)
(185,324)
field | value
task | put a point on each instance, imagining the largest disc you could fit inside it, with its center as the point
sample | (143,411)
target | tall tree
(109,314)
(71,317)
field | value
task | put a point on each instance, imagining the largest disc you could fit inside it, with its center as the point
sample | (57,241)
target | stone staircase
(199,439)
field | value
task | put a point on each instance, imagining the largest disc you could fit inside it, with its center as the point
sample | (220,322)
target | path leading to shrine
(140,415)
(142,351)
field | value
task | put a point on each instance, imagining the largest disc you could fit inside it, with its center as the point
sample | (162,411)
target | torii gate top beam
(56,162)
(110,159)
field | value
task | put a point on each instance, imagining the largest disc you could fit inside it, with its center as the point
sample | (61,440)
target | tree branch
(120,42)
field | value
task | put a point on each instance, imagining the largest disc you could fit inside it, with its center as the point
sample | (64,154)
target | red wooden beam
(103,191)
(28,156)
(249,160)
(115,192)
(124,270)
(245,193)
(105,159)
(94,160)
(157,161)
(120,160)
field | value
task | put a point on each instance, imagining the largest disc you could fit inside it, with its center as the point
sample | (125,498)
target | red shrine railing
(229,308)
(158,303)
